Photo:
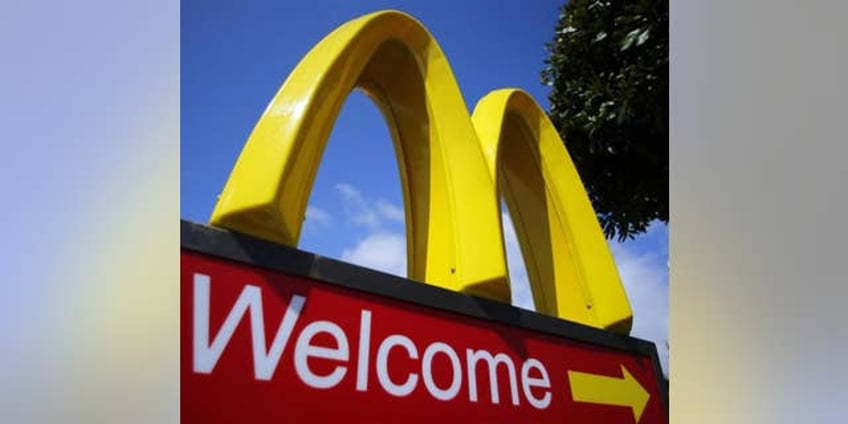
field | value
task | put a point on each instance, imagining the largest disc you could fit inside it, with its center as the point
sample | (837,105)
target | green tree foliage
(608,73)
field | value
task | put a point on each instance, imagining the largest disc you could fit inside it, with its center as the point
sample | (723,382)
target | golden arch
(454,235)
(569,265)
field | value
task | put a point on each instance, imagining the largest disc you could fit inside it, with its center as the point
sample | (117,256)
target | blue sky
(236,54)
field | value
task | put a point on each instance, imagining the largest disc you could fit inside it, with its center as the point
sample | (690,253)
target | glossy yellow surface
(454,237)
(571,270)
(625,391)
(449,177)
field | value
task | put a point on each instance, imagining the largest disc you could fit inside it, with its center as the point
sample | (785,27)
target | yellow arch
(454,235)
(569,264)
(449,177)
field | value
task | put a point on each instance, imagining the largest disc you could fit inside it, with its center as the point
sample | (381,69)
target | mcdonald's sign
(273,333)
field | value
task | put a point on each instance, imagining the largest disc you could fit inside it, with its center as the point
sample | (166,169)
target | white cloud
(383,248)
(645,278)
(357,208)
(383,251)
(317,218)
(363,212)
(389,211)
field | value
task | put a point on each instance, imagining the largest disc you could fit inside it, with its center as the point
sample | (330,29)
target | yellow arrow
(625,391)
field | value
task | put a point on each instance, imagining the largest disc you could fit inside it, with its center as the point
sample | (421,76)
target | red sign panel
(265,346)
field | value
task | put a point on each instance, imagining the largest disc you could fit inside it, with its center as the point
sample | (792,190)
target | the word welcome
(533,376)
